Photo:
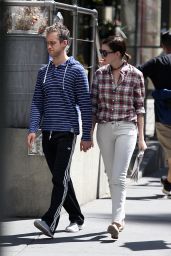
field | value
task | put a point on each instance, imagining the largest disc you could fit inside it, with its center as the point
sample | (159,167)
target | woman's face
(108,56)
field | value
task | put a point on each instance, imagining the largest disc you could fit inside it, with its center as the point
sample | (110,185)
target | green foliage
(106,29)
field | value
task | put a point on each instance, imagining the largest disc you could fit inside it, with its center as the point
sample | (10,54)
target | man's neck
(60,59)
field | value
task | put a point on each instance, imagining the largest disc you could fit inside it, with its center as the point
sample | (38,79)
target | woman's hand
(142,146)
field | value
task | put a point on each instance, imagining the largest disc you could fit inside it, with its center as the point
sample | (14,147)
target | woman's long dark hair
(117,43)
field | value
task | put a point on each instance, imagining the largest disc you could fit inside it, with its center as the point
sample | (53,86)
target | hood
(71,61)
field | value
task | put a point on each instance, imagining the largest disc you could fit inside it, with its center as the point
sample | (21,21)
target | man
(61,86)
(158,70)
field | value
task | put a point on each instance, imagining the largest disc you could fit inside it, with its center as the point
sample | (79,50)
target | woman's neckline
(113,69)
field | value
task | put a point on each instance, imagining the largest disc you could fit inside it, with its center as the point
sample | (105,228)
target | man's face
(54,46)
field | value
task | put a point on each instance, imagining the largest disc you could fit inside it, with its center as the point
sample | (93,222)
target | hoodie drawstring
(63,81)
(63,85)
(44,80)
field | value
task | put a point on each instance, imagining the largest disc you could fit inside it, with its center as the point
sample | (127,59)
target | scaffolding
(31,51)
(75,11)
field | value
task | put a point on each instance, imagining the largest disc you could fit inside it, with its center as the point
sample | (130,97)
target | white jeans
(117,142)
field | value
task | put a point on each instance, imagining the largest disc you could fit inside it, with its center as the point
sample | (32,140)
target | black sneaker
(163,179)
(166,185)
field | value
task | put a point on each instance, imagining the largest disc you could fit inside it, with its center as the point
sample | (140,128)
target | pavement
(147,231)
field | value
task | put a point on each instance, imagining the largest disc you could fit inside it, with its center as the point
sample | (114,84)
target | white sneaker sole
(166,192)
(70,230)
(81,227)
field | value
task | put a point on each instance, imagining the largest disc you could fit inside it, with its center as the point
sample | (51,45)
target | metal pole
(136,32)
(75,30)
(93,47)
(51,10)
(49,3)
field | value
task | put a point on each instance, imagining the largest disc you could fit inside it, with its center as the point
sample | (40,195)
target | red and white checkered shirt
(121,101)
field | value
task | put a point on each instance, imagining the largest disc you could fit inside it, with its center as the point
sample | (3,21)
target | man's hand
(85,145)
(31,139)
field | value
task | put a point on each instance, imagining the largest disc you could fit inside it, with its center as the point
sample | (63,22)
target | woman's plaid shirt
(121,102)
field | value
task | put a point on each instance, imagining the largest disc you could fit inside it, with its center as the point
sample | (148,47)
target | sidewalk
(147,231)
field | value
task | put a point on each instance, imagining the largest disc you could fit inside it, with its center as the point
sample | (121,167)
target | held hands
(86,145)
(31,139)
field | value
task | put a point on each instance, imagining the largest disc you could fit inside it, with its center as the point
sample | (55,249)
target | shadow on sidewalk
(92,237)
(145,197)
(21,239)
(155,218)
(147,245)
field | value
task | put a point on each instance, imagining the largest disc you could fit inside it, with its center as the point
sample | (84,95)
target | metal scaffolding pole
(93,47)
(49,3)
(75,30)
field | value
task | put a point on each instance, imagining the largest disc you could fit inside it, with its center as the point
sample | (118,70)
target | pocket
(128,128)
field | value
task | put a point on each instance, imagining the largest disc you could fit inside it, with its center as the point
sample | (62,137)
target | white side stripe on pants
(65,183)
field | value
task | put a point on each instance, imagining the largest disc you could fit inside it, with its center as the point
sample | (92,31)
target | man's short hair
(62,31)
(166,38)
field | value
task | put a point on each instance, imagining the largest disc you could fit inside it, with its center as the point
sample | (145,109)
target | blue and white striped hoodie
(58,93)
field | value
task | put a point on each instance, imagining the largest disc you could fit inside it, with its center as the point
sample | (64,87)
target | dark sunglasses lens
(103,53)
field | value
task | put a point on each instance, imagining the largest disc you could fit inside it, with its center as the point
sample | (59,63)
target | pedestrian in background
(118,109)
(158,69)
(61,86)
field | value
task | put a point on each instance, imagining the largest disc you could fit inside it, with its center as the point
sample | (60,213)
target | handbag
(134,173)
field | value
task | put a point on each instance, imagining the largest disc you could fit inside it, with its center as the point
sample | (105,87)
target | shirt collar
(124,68)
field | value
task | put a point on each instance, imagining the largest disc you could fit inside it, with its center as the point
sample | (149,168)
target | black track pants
(58,149)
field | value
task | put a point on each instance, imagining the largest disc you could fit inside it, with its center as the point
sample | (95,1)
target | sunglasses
(104,53)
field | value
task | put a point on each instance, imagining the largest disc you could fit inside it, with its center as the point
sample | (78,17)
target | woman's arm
(140,123)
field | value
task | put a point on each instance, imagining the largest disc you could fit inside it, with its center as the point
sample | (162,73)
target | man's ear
(65,42)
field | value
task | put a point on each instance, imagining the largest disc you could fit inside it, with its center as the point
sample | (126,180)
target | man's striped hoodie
(60,94)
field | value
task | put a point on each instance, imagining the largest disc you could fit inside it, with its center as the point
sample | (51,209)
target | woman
(118,108)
